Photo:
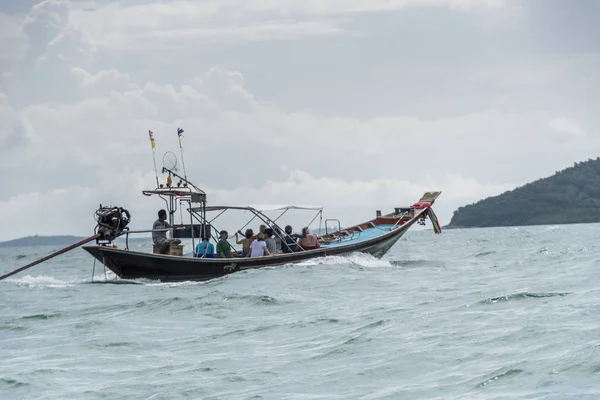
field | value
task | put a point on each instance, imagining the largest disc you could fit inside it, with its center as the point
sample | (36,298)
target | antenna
(170,161)
(180,135)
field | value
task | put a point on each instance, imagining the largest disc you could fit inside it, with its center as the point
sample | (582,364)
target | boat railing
(128,232)
(341,238)
(355,235)
(399,222)
(332,220)
(331,237)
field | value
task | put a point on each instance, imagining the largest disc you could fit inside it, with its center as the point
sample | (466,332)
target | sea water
(502,313)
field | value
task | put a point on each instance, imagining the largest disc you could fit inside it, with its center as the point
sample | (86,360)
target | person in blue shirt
(202,246)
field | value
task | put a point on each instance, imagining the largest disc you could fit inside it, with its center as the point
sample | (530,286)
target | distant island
(569,196)
(61,240)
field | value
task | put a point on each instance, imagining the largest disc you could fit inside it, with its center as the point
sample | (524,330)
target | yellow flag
(151,134)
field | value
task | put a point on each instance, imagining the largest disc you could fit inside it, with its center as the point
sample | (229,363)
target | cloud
(44,25)
(13,42)
(566,127)
(20,212)
(118,26)
(101,83)
(15,130)
(217,111)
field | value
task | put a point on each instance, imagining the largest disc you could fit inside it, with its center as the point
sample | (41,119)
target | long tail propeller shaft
(111,223)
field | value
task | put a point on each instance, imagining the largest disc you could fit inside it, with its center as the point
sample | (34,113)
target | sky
(353,105)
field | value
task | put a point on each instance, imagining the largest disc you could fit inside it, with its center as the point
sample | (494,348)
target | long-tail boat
(374,237)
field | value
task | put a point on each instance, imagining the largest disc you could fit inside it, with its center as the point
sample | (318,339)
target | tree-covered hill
(569,196)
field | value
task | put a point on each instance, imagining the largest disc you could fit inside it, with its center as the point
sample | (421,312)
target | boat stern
(99,253)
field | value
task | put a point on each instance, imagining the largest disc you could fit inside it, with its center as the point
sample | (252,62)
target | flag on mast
(151,134)
(180,135)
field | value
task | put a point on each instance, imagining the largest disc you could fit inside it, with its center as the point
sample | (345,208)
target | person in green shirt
(223,247)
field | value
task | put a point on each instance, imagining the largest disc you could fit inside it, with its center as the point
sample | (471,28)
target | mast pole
(180,135)
(151,134)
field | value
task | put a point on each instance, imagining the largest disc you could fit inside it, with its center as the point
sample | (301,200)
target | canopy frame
(200,215)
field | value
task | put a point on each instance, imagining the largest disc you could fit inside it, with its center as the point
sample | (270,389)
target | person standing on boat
(258,248)
(160,237)
(223,247)
(309,241)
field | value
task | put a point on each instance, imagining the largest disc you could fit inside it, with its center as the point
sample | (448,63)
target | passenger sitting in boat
(270,241)
(289,244)
(160,238)
(258,248)
(278,239)
(246,241)
(309,241)
(223,247)
(205,249)
(262,229)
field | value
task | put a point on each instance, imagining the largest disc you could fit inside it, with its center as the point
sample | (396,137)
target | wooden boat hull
(130,264)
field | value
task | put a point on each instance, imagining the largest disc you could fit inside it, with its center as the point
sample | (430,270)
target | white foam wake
(40,281)
(360,259)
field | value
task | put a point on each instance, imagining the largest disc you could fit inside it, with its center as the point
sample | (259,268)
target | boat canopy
(260,208)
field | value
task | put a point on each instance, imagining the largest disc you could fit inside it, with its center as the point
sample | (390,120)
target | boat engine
(112,221)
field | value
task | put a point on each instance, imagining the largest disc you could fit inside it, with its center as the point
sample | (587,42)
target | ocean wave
(485,253)
(12,327)
(12,383)
(41,281)
(114,282)
(414,263)
(500,375)
(521,296)
(42,316)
